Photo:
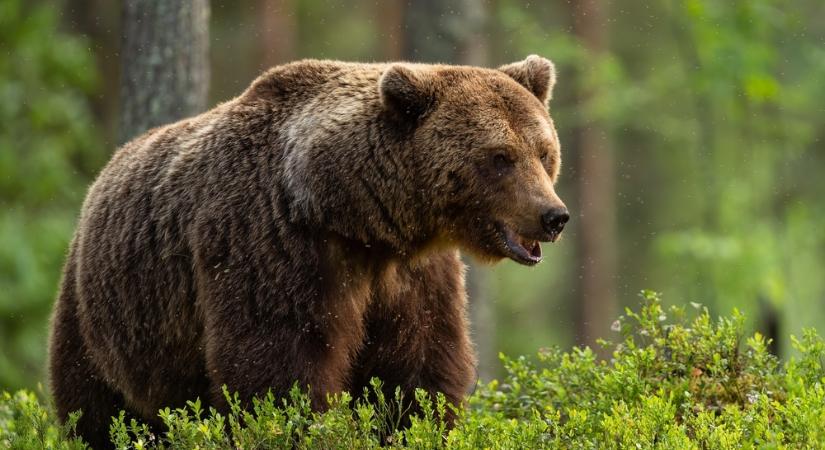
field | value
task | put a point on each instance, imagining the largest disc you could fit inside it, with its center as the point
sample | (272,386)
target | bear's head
(486,153)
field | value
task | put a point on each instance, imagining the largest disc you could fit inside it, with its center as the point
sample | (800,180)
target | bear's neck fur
(348,167)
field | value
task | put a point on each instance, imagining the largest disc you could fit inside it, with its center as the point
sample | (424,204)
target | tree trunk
(165,64)
(447,31)
(596,225)
(452,32)
(391,32)
(277,32)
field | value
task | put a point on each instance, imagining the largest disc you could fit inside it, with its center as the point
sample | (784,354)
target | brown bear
(306,231)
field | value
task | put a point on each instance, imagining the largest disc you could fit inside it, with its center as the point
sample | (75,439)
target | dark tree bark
(596,227)
(165,64)
(452,32)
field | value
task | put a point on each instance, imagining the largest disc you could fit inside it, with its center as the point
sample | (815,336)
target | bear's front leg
(417,332)
(271,323)
(252,362)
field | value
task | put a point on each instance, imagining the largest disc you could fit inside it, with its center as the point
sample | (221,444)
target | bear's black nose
(553,221)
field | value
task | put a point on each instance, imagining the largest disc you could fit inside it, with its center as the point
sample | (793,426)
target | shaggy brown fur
(305,231)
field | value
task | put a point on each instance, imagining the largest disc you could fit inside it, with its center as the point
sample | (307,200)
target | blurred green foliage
(678,379)
(49,150)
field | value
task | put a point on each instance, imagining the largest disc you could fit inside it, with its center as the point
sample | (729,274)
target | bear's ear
(405,92)
(535,73)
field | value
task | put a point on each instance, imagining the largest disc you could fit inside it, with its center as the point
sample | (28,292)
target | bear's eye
(502,162)
(543,157)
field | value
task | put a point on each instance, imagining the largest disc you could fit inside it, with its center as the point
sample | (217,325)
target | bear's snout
(553,221)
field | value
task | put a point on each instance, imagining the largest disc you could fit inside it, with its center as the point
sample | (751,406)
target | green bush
(677,379)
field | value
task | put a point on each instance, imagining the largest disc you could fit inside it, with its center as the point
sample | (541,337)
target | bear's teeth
(535,251)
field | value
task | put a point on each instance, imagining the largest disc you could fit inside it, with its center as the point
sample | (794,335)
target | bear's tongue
(526,251)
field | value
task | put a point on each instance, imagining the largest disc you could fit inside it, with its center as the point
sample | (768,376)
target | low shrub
(677,379)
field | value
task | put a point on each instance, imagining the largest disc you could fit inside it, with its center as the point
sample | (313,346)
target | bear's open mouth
(520,249)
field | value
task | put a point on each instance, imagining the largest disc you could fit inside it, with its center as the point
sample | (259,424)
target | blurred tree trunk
(447,31)
(452,32)
(597,303)
(277,25)
(165,63)
(390,17)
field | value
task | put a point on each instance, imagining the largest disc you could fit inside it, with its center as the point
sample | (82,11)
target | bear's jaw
(519,248)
